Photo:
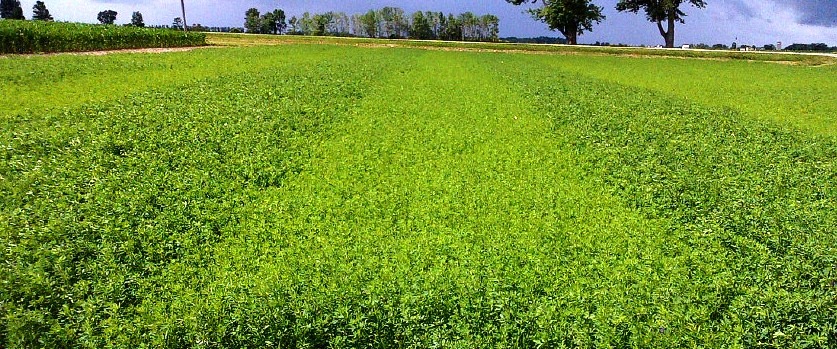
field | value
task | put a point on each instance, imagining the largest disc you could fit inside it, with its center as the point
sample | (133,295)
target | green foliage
(585,51)
(571,17)
(252,21)
(40,12)
(136,20)
(420,28)
(107,17)
(90,287)
(269,23)
(333,196)
(758,198)
(273,22)
(660,12)
(775,93)
(814,47)
(11,9)
(393,23)
(369,23)
(38,36)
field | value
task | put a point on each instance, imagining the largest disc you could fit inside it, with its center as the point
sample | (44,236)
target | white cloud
(751,21)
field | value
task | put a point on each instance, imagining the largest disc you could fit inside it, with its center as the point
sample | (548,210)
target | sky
(750,22)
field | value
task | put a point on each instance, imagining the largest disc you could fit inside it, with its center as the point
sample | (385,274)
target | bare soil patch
(108,52)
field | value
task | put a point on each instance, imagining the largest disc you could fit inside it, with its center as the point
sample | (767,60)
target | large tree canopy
(660,11)
(571,17)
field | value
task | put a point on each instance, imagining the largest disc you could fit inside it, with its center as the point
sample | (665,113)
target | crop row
(752,205)
(44,37)
(99,199)
(360,197)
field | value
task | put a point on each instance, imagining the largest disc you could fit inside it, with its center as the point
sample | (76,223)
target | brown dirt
(108,52)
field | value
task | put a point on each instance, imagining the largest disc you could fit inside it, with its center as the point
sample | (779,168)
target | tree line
(570,17)
(109,17)
(11,9)
(387,22)
(816,47)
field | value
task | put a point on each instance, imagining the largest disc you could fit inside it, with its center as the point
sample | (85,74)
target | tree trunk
(670,34)
(571,34)
(572,38)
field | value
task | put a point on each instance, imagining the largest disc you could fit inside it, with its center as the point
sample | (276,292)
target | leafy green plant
(752,203)
(43,37)
(334,196)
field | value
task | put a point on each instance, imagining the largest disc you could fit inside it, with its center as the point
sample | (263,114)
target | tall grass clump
(44,37)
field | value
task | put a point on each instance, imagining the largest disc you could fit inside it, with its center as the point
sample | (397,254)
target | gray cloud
(741,7)
(752,21)
(814,12)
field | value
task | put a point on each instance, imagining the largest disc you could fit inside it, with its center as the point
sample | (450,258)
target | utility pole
(183,9)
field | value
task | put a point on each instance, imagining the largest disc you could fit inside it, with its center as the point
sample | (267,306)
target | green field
(330,196)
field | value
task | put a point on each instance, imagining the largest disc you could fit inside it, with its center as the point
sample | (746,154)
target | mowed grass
(323,196)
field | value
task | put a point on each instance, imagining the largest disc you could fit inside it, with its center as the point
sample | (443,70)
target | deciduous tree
(570,17)
(306,24)
(370,23)
(252,21)
(321,23)
(273,22)
(280,19)
(420,27)
(453,29)
(107,17)
(660,12)
(136,20)
(341,24)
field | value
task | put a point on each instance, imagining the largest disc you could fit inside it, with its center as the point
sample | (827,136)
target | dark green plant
(40,12)
(107,17)
(137,20)
(40,36)
(11,9)
(252,21)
